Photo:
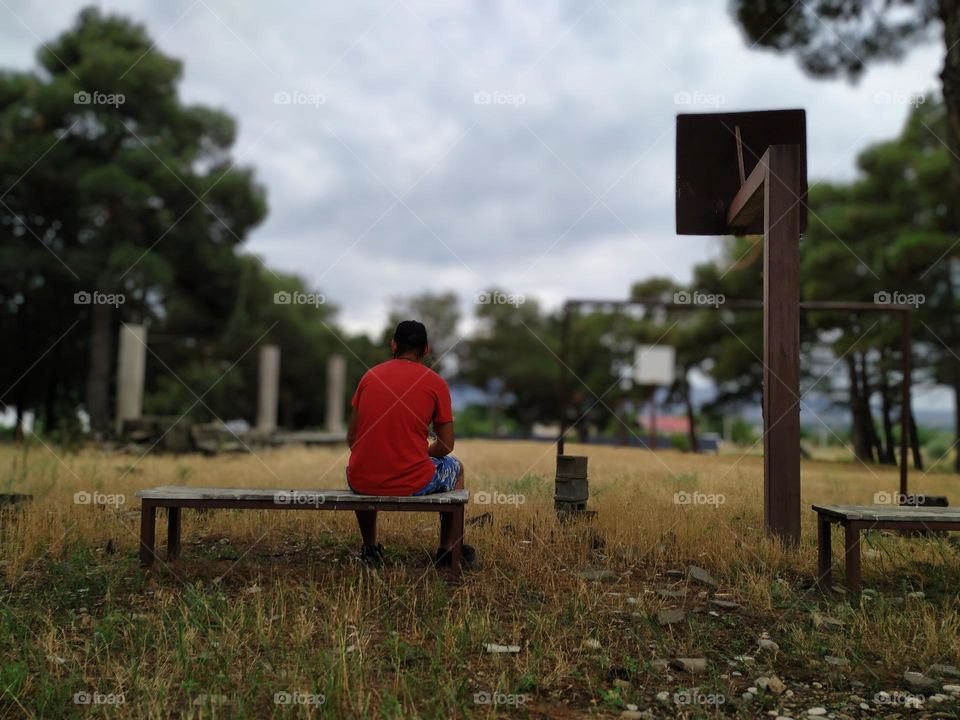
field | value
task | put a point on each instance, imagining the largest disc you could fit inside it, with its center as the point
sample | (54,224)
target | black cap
(411,333)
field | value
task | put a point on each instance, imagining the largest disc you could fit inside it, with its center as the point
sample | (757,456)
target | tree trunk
(861,445)
(889,451)
(691,418)
(867,413)
(98,371)
(915,442)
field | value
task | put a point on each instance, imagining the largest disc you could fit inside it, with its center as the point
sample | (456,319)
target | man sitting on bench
(390,453)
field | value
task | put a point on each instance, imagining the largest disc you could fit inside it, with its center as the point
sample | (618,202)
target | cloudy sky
(457,145)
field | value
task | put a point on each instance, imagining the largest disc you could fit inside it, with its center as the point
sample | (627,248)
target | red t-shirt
(395,403)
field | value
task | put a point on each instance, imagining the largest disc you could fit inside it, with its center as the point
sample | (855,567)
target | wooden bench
(450,505)
(856,518)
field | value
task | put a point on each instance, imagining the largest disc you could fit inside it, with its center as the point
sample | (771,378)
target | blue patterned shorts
(445,473)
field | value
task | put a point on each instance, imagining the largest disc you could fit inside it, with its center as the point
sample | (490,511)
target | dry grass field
(268,614)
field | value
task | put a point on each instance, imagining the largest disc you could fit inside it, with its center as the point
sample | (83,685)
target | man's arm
(443,445)
(352,428)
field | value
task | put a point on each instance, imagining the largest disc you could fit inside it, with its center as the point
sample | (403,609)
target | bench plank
(889,513)
(295,496)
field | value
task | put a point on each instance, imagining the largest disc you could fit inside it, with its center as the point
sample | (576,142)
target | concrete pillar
(131,369)
(268,388)
(336,391)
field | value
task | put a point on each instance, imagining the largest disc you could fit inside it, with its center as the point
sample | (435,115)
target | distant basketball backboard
(708,174)
(654,365)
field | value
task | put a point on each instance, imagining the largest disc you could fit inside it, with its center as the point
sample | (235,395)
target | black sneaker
(371,556)
(444,559)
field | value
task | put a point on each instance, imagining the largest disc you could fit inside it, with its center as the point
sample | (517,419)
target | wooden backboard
(708,174)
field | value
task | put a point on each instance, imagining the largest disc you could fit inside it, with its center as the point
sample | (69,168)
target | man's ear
(393,347)
(426,350)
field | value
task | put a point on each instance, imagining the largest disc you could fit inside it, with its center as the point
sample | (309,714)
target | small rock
(943,671)
(590,644)
(724,604)
(776,685)
(622,684)
(953,689)
(495,648)
(600,574)
(744,658)
(631,601)
(864,706)
(659,665)
(663,697)
(835,661)
(698,574)
(747,696)
(767,644)
(670,616)
(631,706)
(918,595)
(676,574)
(694,666)
(816,711)
(920,682)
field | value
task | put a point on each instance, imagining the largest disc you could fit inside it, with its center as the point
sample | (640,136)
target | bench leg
(148,523)
(851,532)
(173,533)
(451,536)
(824,552)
